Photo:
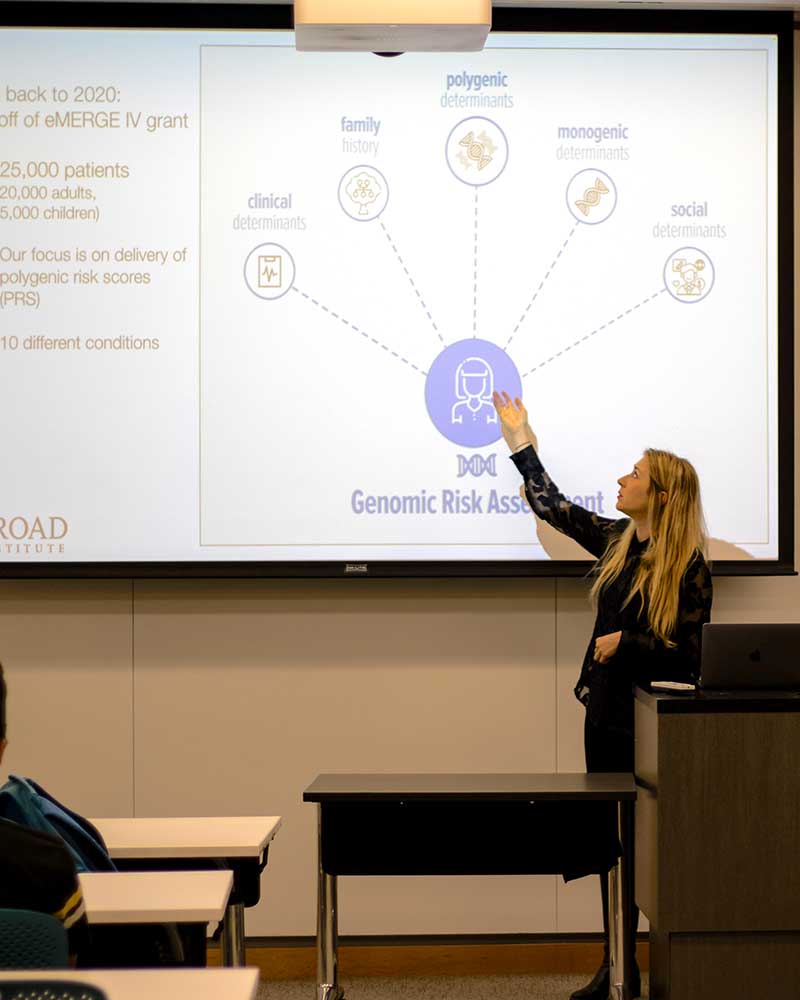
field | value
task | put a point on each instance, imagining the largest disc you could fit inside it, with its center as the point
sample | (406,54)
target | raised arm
(587,528)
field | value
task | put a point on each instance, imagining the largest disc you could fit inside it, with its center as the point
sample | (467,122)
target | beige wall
(202,698)
(197,697)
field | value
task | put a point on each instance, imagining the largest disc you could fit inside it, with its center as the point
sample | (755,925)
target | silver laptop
(750,657)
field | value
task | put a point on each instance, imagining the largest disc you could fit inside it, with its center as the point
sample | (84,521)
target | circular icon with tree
(363,193)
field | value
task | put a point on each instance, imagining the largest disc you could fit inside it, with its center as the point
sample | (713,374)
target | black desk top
(719,701)
(470,787)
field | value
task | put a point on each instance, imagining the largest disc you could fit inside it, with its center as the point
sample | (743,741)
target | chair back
(30,940)
(48,989)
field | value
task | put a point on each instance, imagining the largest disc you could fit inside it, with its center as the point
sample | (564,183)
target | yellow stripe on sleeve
(73,901)
(75,915)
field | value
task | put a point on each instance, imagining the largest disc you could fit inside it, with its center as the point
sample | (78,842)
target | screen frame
(211,16)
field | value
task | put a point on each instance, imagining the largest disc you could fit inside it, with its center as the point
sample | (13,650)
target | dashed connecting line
(462,372)
(411,280)
(627,312)
(346,322)
(541,285)
(475,273)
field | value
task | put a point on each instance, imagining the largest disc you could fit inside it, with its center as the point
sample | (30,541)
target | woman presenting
(651,593)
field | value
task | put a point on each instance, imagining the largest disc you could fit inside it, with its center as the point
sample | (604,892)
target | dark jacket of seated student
(37,873)
(36,870)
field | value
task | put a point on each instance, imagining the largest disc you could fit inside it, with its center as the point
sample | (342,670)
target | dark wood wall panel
(735,967)
(729,821)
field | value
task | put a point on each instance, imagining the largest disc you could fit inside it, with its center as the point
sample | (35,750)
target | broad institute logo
(33,535)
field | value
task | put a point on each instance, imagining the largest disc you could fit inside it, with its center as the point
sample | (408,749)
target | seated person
(36,870)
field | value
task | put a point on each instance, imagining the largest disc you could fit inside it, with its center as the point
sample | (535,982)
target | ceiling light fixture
(391,25)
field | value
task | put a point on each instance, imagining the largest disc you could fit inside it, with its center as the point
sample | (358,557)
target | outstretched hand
(513,419)
(512,413)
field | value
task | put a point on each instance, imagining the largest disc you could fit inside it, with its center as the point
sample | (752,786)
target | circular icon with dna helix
(477,151)
(591,196)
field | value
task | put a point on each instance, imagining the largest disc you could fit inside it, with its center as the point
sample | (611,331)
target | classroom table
(155,984)
(473,824)
(189,899)
(155,897)
(239,843)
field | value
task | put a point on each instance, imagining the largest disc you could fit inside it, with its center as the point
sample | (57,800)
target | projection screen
(254,302)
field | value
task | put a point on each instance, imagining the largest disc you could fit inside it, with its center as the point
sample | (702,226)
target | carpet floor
(440,988)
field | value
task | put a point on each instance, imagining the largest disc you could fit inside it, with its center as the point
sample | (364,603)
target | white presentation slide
(254,303)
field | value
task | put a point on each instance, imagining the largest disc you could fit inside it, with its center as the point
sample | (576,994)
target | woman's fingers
(509,410)
(504,398)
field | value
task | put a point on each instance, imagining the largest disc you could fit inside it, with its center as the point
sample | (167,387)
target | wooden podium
(718,843)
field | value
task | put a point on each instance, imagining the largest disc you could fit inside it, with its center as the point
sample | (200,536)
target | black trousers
(611,750)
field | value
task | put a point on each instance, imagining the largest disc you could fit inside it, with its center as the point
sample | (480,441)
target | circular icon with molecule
(688,275)
(477,151)
(591,196)
(363,193)
(269,271)
(459,389)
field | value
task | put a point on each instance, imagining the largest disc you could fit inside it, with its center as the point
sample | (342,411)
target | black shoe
(599,987)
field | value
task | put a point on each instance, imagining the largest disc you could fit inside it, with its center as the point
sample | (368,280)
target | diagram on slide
(462,378)
(398,264)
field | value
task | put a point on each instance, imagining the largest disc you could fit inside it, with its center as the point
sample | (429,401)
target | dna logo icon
(476,465)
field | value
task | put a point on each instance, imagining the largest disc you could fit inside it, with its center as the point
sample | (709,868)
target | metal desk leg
(619,914)
(233,935)
(327,977)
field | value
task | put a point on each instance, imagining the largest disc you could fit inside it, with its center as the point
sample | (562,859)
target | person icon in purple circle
(473,391)
(459,391)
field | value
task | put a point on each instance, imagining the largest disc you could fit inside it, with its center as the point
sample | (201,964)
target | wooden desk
(218,837)
(717,827)
(240,843)
(156,984)
(155,897)
(470,824)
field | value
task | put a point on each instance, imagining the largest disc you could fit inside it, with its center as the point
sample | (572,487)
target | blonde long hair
(677,533)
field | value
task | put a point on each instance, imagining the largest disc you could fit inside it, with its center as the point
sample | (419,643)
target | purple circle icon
(476,151)
(459,387)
